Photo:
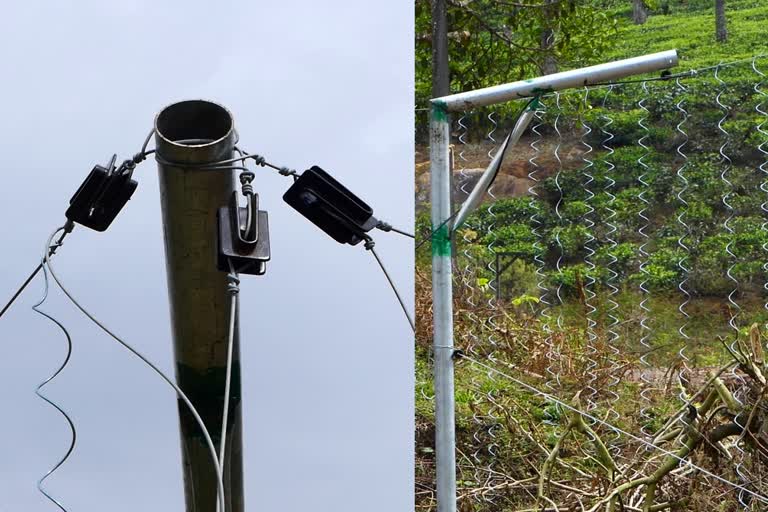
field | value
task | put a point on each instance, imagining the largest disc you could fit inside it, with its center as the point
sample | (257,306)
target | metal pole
(559,81)
(196,132)
(442,295)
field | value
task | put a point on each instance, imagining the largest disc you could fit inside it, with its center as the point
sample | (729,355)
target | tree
(495,41)
(721,30)
(441,78)
(549,62)
(639,12)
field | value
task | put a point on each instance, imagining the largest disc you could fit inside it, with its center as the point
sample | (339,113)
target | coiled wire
(553,382)
(535,219)
(644,255)
(735,308)
(590,281)
(612,311)
(764,164)
(682,262)
(469,277)
(38,390)
(495,285)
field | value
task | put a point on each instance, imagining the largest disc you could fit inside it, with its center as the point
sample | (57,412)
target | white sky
(327,355)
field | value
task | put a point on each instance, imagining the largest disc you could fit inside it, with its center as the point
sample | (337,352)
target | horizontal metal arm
(558,81)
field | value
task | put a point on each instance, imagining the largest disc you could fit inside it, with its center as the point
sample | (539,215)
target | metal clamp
(245,246)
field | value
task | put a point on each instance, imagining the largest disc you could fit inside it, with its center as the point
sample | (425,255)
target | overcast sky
(327,356)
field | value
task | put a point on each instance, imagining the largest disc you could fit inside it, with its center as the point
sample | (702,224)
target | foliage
(491,41)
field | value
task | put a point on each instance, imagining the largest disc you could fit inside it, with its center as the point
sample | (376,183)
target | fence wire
(618,267)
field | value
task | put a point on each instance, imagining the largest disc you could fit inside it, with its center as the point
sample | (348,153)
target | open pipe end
(194,131)
(194,123)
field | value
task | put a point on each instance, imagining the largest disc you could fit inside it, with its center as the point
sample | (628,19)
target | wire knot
(139,157)
(384,226)
(369,244)
(285,171)
(232,283)
(260,160)
(246,177)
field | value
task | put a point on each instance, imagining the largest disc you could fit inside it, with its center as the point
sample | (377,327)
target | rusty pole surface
(197,132)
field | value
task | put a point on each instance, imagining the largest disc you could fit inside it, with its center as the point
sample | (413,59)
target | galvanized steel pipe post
(190,133)
(442,306)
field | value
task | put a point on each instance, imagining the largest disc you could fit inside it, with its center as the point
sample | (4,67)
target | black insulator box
(101,197)
(330,206)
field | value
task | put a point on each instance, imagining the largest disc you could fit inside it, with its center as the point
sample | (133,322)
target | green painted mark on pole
(439,112)
(538,91)
(441,241)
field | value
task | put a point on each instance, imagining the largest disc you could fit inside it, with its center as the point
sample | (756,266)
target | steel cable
(233,289)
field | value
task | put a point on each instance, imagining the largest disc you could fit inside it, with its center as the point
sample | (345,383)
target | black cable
(432,233)
(67,229)
(409,235)
(21,289)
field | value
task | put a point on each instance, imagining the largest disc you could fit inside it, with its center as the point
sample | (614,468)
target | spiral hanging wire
(590,281)
(468,274)
(764,165)
(645,329)
(468,278)
(685,233)
(612,309)
(540,250)
(535,219)
(734,306)
(554,360)
(38,390)
(553,383)
(493,305)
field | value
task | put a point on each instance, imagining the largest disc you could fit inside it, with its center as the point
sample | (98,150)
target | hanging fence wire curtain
(618,270)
